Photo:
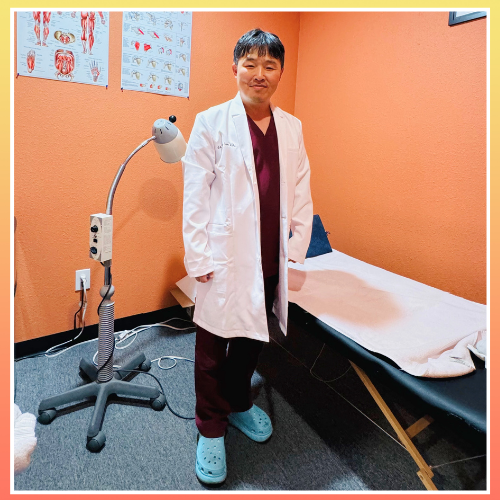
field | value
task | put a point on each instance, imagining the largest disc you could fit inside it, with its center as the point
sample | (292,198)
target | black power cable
(81,306)
(107,291)
(161,389)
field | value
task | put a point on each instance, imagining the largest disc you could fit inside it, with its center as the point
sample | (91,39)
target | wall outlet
(78,279)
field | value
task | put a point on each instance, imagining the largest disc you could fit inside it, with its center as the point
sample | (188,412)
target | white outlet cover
(78,281)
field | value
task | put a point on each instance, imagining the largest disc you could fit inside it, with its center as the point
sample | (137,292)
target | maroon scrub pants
(223,371)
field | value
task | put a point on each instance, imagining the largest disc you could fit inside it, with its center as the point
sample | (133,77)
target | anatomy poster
(69,46)
(156,52)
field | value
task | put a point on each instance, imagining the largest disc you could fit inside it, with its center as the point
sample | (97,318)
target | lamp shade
(168,141)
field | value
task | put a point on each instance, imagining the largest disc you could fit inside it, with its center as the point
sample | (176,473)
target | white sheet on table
(424,330)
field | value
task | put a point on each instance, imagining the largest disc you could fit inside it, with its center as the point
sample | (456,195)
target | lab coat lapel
(244,139)
(245,143)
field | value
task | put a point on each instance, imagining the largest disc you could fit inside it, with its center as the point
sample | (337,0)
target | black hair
(262,41)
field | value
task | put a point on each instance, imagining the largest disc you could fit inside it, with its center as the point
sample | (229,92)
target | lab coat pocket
(219,241)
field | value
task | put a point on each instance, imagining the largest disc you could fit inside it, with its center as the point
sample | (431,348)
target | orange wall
(64,167)
(393,107)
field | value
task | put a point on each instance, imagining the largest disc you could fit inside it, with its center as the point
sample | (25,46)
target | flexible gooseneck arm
(111,195)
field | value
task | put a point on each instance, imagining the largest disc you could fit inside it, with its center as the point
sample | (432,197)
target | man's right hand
(205,277)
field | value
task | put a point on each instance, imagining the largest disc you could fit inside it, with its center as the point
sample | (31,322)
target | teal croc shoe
(254,423)
(211,460)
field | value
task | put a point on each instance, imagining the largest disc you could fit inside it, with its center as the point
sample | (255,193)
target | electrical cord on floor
(344,398)
(126,334)
(121,337)
(174,358)
(161,389)
(362,413)
(119,340)
(44,355)
(134,332)
(319,378)
(31,356)
(83,305)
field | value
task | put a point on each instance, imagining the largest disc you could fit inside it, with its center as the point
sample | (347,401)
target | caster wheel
(95,443)
(145,366)
(159,403)
(46,416)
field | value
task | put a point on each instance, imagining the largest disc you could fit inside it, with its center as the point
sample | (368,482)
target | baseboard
(41,344)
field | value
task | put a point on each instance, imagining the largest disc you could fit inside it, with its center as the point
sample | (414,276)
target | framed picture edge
(453,20)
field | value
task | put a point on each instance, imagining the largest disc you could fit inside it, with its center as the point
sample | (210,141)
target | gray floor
(320,441)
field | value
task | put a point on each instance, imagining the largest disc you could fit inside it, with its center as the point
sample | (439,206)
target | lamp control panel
(101,237)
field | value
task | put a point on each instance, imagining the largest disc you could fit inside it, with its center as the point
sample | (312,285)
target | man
(246,185)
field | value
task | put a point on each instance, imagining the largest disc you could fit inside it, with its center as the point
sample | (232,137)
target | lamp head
(168,140)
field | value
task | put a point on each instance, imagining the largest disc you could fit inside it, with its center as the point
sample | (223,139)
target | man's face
(257,77)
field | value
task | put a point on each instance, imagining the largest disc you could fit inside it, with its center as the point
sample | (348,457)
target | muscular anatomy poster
(64,45)
(156,52)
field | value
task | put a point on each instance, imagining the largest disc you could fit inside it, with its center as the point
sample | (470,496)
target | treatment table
(461,398)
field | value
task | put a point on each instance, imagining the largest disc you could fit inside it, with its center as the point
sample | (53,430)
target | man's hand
(205,277)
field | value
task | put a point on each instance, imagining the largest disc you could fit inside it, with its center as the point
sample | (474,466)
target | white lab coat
(221,219)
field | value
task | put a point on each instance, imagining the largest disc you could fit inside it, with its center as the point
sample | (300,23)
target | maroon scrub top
(267,168)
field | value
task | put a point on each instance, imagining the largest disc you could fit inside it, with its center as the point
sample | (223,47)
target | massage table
(462,398)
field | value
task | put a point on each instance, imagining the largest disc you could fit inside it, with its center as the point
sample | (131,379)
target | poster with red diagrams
(68,46)
(156,52)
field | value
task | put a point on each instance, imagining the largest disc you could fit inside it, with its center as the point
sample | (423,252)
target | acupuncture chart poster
(69,46)
(156,52)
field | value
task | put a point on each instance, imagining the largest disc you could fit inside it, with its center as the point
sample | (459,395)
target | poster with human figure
(156,52)
(69,46)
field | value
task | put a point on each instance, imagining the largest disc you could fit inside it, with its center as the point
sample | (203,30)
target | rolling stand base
(102,390)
